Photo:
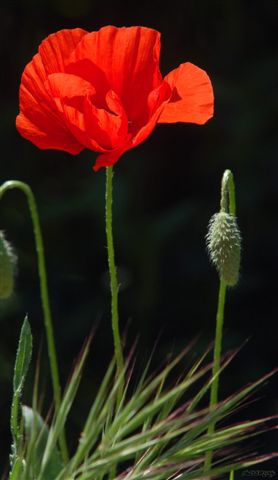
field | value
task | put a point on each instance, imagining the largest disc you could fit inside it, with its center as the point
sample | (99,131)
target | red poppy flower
(104,91)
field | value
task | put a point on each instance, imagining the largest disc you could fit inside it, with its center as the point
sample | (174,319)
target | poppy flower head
(104,91)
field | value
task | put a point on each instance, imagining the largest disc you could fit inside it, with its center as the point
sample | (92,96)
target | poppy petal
(109,159)
(39,120)
(61,140)
(98,129)
(93,74)
(192,96)
(157,100)
(56,49)
(75,122)
(129,58)
(64,85)
(69,89)
(108,128)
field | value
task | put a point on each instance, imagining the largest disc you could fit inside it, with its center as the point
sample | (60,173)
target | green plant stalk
(218,343)
(16,184)
(113,276)
(216,362)
(227,204)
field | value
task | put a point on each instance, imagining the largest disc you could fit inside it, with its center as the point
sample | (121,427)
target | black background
(165,191)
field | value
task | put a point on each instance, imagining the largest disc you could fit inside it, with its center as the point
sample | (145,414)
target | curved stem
(44,295)
(228,205)
(113,272)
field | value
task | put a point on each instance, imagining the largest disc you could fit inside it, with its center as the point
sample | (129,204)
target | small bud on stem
(223,237)
(223,242)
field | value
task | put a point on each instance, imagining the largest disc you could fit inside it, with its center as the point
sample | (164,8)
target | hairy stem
(15,184)
(113,274)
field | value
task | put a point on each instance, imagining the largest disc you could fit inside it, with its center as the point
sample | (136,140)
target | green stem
(216,362)
(44,296)
(113,275)
(114,290)
(218,344)
(228,205)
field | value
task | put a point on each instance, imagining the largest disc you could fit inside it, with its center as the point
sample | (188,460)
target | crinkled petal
(192,97)
(76,124)
(93,74)
(64,85)
(129,58)
(108,127)
(68,89)
(60,140)
(39,120)
(157,100)
(56,49)
(99,130)
(34,100)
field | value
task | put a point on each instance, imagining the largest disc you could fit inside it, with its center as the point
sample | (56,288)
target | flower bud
(7,267)
(224,246)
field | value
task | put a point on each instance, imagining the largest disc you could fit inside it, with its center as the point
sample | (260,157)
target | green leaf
(16,470)
(22,362)
(23,356)
(37,434)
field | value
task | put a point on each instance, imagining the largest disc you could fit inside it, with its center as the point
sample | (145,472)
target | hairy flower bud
(7,266)
(224,246)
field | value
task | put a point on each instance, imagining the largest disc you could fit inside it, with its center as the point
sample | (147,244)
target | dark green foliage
(156,431)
